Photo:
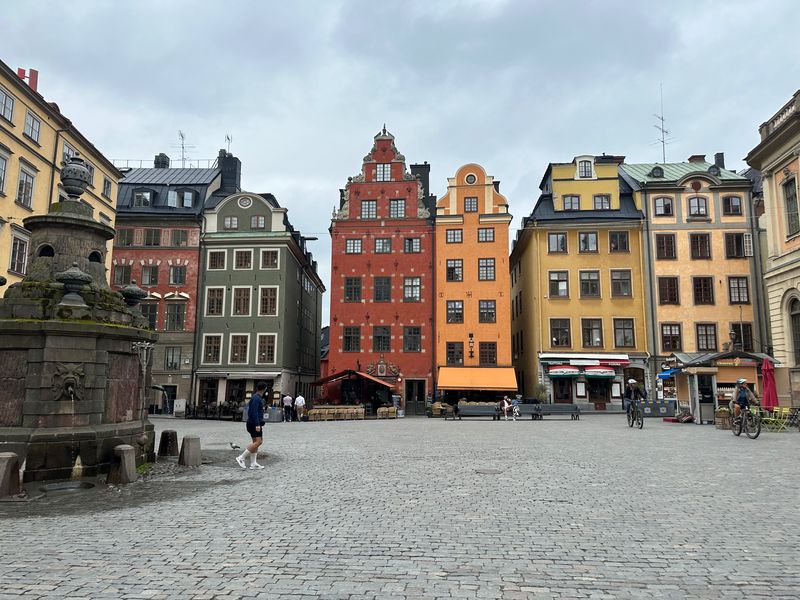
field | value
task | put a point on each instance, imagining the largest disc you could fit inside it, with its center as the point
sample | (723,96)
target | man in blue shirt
(255,425)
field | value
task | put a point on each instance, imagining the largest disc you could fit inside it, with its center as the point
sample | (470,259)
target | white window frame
(228,221)
(149,269)
(250,251)
(258,343)
(233,300)
(277,300)
(383,172)
(15,237)
(171,271)
(37,129)
(261,259)
(374,203)
(6,101)
(107,185)
(397,202)
(205,306)
(3,170)
(230,348)
(32,175)
(208,260)
(221,348)
(583,159)
(356,245)
(68,151)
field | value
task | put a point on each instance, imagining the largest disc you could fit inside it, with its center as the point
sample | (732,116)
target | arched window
(790,202)
(46,250)
(95,257)
(794,314)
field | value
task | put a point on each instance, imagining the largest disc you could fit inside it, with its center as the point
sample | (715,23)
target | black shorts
(251,429)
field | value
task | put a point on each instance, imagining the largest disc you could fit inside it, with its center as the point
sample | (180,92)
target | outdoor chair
(778,421)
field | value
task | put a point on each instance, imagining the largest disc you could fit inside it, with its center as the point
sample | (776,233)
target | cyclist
(632,393)
(742,397)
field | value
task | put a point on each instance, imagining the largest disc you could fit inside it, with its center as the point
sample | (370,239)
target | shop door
(207,406)
(598,391)
(415,396)
(234,397)
(171,392)
(562,391)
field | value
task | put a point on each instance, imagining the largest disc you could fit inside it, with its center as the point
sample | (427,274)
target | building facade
(578,291)
(381,296)
(472,317)
(777,158)
(34,140)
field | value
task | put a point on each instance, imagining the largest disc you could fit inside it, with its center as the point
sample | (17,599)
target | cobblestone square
(425,508)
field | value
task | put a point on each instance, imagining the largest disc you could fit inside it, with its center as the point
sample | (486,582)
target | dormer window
(656,172)
(383,172)
(602,202)
(572,202)
(585,169)
(714,170)
(143,198)
(180,199)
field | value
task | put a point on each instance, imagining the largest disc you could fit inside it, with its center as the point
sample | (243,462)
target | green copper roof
(642,172)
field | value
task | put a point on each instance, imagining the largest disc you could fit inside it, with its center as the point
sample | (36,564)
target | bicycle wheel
(630,417)
(639,418)
(736,426)
(753,426)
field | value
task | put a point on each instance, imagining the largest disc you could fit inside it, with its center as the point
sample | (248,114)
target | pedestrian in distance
(506,404)
(255,427)
(300,407)
(287,408)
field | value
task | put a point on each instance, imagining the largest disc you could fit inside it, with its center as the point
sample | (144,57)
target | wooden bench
(534,410)
(478,410)
(573,410)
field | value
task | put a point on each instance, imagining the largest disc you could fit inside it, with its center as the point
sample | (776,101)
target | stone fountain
(71,371)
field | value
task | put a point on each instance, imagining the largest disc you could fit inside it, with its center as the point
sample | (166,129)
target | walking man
(287,408)
(300,407)
(255,427)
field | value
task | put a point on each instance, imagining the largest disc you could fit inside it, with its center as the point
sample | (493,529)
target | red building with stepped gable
(382,284)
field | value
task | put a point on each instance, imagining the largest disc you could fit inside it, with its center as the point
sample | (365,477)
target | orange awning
(499,379)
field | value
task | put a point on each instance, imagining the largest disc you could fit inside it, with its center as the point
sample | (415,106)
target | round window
(471,179)
(245,201)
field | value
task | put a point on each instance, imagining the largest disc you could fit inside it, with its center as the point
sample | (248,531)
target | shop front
(475,384)
(357,389)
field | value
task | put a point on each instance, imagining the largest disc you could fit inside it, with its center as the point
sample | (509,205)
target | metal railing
(147,163)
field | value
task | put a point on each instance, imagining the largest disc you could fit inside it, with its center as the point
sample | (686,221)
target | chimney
(496,186)
(231,169)
(697,158)
(161,161)
(424,173)
(32,75)
(719,159)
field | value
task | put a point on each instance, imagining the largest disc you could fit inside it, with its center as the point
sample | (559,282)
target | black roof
(160,182)
(324,342)
(545,211)
(755,177)
(152,176)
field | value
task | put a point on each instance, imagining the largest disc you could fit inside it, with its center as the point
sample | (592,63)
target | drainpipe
(651,291)
(434,328)
(199,305)
(758,290)
(53,170)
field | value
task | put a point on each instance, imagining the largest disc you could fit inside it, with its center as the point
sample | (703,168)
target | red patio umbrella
(770,397)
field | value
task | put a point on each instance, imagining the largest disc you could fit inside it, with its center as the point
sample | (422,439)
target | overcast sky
(512,85)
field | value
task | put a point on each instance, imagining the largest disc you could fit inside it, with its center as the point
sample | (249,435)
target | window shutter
(730,246)
(748,244)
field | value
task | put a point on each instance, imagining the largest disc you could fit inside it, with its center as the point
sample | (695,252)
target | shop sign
(735,362)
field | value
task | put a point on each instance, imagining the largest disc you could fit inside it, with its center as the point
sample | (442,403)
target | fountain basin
(67,486)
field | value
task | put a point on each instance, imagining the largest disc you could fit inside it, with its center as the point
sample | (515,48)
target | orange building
(472,312)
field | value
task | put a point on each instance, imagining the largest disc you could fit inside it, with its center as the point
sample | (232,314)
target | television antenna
(184,148)
(228,140)
(661,126)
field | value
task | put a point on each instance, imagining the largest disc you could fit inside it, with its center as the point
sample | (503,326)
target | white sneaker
(240,460)
(256,466)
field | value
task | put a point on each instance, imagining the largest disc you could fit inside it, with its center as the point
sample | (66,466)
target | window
(106,187)
(269,259)
(559,284)
(32,126)
(790,202)
(150,275)
(381,339)
(267,342)
(453,236)
(179,198)
(352,289)
(487,353)
(90,168)
(351,339)
(663,207)
(470,204)
(734,245)
(794,314)
(588,241)
(455,311)
(455,269)
(25,188)
(258,222)
(487,311)
(618,241)
(559,333)
(369,209)
(412,245)
(239,349)
(230,223)
(172,358)
(215,302)
(412,289)
(485,269)
(19,257)
(732,206)
(572,202)
(700,244)
(241,302)
(122,274)
(6,105)
(212,349)
(665,246)
(124,237)
(738,291)
(152,237)
(412,339)
(68,152)
(621,284)
(3,169)
(698,207)
(455,353)
(216,260)
(556,242)
(668,290)
(670,337)
(382,291)
(268,301)
(383,172)
(176,316)
(623,333)
(584,169)
(352,246)
(150,312)
(706,337)
(242,259)
(592,332)
(180,237)
(590,284)
(743,336)
(602,202)
(383,245)
(703,288)
(397,208)
(486,234)
(142,199)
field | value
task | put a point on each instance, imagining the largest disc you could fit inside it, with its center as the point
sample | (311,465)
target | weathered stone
(9,474)
(123,467)
(168,443)
(190,451)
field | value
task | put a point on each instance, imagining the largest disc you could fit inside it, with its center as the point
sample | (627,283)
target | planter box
(722,421)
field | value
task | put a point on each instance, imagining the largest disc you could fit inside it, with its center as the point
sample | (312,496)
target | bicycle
(635,416)
(747,421)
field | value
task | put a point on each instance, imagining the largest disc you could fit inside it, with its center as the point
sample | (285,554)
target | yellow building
(34,139)
(472,311)
(577,287)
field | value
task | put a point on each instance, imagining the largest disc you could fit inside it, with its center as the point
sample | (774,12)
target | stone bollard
(123,469)
(168,445)
(9,474)
(190,451)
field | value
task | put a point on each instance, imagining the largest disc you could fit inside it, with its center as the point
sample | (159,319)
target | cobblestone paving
(401,509)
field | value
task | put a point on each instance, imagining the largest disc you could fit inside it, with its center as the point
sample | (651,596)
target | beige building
(34,140)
